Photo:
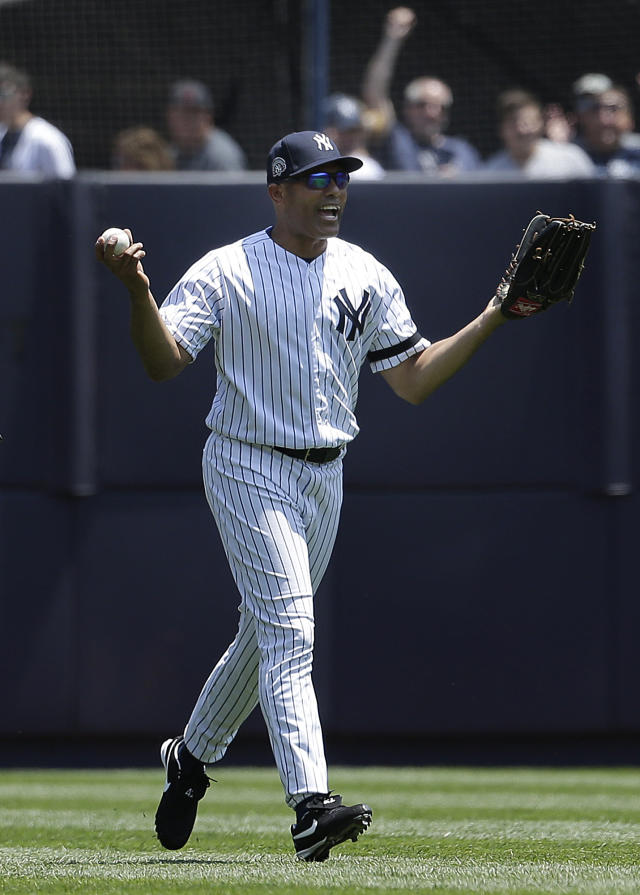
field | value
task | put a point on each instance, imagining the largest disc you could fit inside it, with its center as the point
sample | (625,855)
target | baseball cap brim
(305,151)
(349,163)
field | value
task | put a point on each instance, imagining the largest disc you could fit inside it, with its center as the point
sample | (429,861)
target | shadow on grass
(188,861)
(185,862)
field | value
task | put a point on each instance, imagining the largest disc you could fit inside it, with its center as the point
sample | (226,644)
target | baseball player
(293,312)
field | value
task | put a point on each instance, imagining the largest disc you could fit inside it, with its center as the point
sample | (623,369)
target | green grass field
(434,830)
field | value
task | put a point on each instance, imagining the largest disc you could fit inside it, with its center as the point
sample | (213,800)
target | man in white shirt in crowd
(525,148)
(28,142)
(345,123)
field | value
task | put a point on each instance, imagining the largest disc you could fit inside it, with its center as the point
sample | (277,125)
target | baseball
(123,242)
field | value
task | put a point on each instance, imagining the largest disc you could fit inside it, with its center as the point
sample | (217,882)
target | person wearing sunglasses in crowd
(294,312)
(605,124)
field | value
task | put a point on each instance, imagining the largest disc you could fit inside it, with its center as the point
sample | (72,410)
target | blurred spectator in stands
(198,144)
(525,148)
(28,142)
(345,124)
(605,125)
(420,142)
(560,121)
(141,149)
(559,125)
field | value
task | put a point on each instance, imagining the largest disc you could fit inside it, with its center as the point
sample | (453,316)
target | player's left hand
(546,266)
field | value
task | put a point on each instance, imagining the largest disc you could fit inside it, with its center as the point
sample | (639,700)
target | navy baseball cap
(302,151)
(343,112)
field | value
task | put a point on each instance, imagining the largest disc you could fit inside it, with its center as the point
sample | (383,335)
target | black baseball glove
(545,267)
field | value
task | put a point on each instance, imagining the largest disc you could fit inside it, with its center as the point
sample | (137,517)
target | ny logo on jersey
(347,311)
(323,142)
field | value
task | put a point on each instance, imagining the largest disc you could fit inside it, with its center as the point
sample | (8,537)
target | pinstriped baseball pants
(278,518)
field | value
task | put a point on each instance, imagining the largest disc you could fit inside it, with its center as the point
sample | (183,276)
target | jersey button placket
(313,303)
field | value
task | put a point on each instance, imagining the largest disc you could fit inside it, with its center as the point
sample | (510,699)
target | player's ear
(276,191)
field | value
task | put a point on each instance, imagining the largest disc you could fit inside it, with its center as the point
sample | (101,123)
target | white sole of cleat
(319,851)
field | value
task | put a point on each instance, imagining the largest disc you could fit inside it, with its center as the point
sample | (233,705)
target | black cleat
(186,785)
(323,821)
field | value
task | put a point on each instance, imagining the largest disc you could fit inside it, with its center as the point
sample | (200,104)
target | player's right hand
(127,267)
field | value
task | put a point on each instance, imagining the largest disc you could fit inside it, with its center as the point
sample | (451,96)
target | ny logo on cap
(323,142)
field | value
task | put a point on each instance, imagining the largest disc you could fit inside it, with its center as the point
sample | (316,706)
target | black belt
(312,455)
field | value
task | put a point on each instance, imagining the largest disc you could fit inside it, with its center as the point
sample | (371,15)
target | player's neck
(303,247)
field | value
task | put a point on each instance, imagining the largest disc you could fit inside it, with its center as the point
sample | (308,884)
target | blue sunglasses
(320,180)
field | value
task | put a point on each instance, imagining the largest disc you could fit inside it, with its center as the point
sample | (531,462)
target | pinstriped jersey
(290,336)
